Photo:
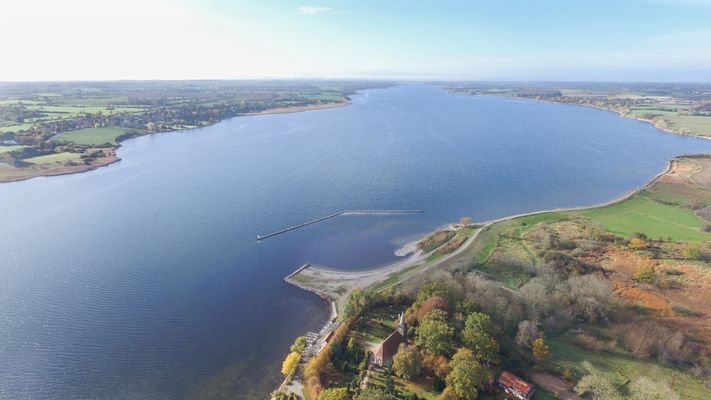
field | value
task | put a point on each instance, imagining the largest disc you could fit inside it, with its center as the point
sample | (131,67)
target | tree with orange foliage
(438,365)
(432,303)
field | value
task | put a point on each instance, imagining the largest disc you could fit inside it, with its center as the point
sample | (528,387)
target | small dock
(334,215)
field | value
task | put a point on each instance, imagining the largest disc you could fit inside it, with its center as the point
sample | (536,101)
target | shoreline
(114,158)
(308,276)
(618,113)
(413,265)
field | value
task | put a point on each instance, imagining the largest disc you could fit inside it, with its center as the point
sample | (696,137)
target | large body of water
(142,280)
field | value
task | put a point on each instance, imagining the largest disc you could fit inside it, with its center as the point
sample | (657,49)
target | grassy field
(16,128)
(54,158)
(76,110)
(377,324)
(642,214)
(5,149)
(509,276)
(94,136)
(696,124)
(620,368)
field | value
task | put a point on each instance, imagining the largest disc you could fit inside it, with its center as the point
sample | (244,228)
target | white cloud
(315,10)
(136,39)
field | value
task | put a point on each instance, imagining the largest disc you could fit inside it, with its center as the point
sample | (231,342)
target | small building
(326,339)
(516,386)
(389,347)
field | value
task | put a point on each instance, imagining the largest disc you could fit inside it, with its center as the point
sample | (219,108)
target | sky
(622,40)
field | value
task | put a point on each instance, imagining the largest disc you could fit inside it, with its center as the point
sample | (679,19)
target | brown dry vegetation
(12,174)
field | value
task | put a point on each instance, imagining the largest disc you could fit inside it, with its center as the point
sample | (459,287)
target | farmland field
(5,149)
(644,215)
(54,158)
(94,136)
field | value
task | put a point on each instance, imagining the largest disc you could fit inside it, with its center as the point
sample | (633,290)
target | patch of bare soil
(555,385)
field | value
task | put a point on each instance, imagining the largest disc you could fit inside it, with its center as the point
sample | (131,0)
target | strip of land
(61,128)
(683,109)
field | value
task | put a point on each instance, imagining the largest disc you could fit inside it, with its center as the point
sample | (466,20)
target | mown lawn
(642,214)
(93,136)
(620,368)
(53,158)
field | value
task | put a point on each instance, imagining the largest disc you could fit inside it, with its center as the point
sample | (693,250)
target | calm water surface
(142,280)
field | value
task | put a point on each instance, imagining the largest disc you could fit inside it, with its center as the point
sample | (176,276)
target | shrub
(637,244)
(335,394)
(693,251)
(680,309)
(589,342)
(566,244)
(646,275)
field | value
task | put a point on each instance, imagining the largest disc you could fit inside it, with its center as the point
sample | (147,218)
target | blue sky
(641,40)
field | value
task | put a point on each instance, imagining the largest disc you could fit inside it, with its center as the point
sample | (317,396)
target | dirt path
(555,385)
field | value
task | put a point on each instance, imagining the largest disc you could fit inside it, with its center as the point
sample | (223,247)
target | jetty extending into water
(334,215)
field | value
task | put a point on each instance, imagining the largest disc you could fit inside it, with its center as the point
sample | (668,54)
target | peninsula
(616,288)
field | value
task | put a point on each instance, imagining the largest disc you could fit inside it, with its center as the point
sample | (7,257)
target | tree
(335,394)
(540,350)
(467,375)
(372,394)
(647,389)
(433,303)
(299,345)
(439,365)
(431,289)
(434,334)
(407,363)
(465,221)
(476,335)
(277,395)
(448,394)
(390,384)
(595,384)
(353,350)
(357,300)
(527,333)
(479,322)
(288,367)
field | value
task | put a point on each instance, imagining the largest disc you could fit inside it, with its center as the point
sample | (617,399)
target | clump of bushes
(435,240)
(646,275)
(683,310)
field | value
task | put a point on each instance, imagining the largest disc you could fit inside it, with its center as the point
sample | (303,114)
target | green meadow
(621,368)
(54,158)
(643,214)
(5,149)
(94,136)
